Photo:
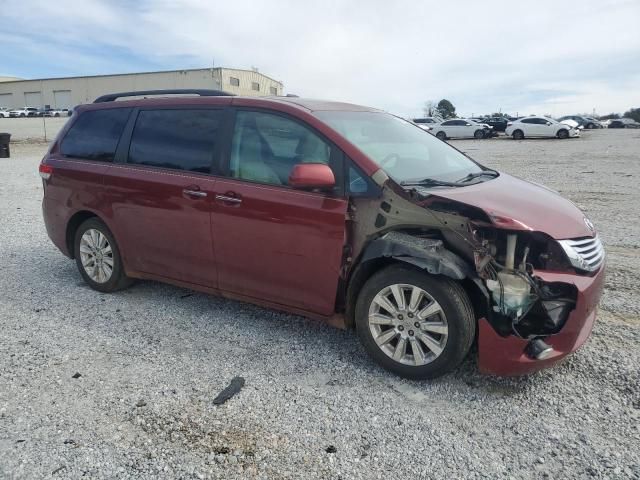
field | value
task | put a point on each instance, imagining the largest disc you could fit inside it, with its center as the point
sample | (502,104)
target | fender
(428,254)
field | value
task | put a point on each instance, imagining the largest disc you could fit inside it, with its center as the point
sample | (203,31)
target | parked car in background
(585,122)
(4,112)
(425,123)
(594,122)
(444,251)
(24,112)
(460,128)
(499,124)
(624,123)
(54,112)
(535,126)
(617,124)
(630,122)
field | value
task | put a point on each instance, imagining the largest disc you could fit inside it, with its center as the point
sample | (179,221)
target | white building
(71,91)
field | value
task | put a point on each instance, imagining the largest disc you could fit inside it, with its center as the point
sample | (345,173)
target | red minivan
(329,210)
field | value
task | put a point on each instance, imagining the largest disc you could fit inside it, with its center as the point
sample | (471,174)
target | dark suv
(334,211)
(499,124)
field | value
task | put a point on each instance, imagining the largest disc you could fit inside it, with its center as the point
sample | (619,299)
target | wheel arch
(437,260)
(72,226)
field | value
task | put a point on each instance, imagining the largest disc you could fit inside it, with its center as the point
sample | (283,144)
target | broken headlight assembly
(523,304)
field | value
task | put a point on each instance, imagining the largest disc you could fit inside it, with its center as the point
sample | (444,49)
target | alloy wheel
(96,255)
(408,324)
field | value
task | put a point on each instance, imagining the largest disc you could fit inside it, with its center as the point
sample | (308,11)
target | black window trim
(122,152)
(337,157)
(373,189)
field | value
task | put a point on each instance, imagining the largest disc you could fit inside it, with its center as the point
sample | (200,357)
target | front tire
(563,134)
(518,135)
(98,257)
(441,136)
(478,134)
(413,324)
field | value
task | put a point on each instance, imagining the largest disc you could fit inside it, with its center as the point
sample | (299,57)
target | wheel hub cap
(408,324)
(96,255)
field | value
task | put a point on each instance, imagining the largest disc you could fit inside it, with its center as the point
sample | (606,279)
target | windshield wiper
(471,176)
(429,182)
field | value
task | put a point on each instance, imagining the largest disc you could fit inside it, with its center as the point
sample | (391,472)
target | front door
(162,196)
(273,242)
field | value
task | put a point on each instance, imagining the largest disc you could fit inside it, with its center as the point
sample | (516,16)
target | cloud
(559,57)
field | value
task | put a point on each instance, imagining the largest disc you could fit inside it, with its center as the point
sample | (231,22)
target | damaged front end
(534,306)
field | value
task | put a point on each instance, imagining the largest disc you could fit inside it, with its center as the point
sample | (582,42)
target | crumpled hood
(516,204)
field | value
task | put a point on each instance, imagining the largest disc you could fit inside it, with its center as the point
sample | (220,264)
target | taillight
(45,171)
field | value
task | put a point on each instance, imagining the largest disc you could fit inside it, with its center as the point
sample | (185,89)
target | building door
(6,100)
(32,99)
(62,98)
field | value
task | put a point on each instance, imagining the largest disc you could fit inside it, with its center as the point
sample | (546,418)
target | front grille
(584,253)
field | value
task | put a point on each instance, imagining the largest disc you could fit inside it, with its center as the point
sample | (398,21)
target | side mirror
(468,124)
(309,176)
(548,123)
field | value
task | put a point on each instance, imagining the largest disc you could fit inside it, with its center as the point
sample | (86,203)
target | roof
(308,105)
(315,105)
(10,79)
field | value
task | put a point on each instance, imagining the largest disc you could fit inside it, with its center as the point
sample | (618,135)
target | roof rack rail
(111,97)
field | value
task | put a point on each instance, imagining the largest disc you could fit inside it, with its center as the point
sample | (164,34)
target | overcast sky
(545,57)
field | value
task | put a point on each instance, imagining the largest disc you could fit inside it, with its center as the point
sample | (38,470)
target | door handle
(194,193)
(228,199)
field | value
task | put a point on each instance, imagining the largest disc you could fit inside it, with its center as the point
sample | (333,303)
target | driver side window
(265,147)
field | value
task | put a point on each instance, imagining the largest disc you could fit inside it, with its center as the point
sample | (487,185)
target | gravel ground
(122,385)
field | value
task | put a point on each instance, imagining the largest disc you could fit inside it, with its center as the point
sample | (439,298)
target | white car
(24,112)
(460,128)
(537,127)
(55,112)
(425,123)
(4,112)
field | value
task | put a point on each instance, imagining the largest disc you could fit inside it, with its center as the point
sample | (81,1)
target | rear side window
(95,135)
(176,139)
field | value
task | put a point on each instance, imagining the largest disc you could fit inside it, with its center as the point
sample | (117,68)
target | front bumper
(506,355)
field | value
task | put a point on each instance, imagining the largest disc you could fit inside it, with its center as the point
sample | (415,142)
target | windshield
(404,151)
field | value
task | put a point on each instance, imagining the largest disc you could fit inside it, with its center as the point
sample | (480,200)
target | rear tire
(441,136)
(563,133)
(98,257)
(478,134)
(518,135)
(590,126)
(423,340)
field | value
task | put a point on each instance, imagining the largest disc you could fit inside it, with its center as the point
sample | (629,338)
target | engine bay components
(511,289)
